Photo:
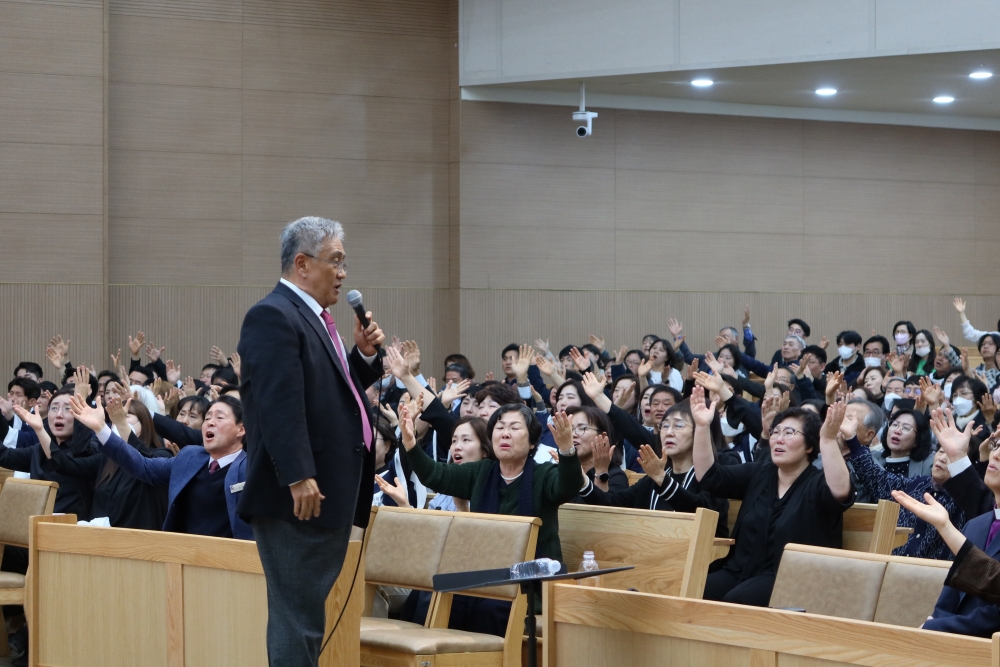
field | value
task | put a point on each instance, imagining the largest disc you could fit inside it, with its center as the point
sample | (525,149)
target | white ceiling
(897,89)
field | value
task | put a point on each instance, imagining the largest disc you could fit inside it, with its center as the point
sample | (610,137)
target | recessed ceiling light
(944,99)
(981,74)
(826,92)
(702,83)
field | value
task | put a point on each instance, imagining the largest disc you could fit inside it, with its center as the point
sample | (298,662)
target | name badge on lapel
(236,488)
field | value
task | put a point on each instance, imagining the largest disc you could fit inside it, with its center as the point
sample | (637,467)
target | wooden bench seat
(406,548)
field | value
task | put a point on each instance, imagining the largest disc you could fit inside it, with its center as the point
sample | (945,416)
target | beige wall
(469,224)
(693,216)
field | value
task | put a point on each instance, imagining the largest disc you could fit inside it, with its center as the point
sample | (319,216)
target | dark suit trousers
(301,564)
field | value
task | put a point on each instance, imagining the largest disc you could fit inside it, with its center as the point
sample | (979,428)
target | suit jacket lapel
(317,325)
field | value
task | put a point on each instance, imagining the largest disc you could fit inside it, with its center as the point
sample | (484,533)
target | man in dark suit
(309,436)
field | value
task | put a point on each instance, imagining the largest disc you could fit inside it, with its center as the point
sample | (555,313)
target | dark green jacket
(554,485)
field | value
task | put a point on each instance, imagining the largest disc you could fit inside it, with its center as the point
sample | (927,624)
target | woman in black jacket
(785,498)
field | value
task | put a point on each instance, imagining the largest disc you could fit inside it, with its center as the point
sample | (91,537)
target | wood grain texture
(49,178)
(597,647)
(45,38)
(74,240)
(205,10)
(397,17)
(80,598)
(715,623)
(224,629)
(348,595)
(51,109)
(175,614)
(177,251)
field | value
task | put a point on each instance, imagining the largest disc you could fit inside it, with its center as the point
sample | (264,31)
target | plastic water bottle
(540,567)
(589,565)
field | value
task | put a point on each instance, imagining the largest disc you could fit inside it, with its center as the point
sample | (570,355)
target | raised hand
(804,365)
(654,466)
(677,343)
(768,411)
(173,372)
(942,337)
(593,386)
(931,392)
(784,400)
(713,363)
(81,381)
(154,352)
(769,380)
(720,340)
(545,365)
(135,344)
(824,342)
(709,382)
(396,362)
(389,415)
(932,512)
(213,392)
(454,391)
(898,362)
(123,374)
(489,377)
(172,398)
(832,383)
(118,411)
(59,345)
(700,412)
(522,363)
(798,369)
(6,407)
(644,368)
(562,431)
(542,345)
(235,361)
(746,316)
(621,354)
(54,357)
(988,407)
(411,352)
(964,358)
(116,359)
(189,388)
(954,442)
(395,491)
(580,360)
(959,304)
(833,422)
(432,384)
(625,395)
(218,357)
(692,369)
(602,450)
(32,419)
(92,418)
(675,328)
(597,341)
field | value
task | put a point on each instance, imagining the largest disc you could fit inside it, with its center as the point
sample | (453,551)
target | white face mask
(890,399)
(947,390)
(728,430)
(845,352)
(963,406)
(923,351)
(872,362)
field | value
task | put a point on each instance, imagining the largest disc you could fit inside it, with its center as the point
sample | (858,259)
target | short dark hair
(111,375)
(910,329)
(227,376)
(671,355)
(145,370)
(28,386)
(461,369)
(714,429)
(593,349)
(810,428)
(30,367)
(734,351)
(500,393)
(585,398)
(530,420)
(992,336)
(513,347)
(92,381)
(849,337)
(50,387)
(457,358)
(236,406)
(199,403)
(816,351)
(806,331)
(977,388)
(665,389)
(600,420)
(565,351)
(881,340)
(212,366)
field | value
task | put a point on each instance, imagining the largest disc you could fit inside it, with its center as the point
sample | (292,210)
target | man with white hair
(309,436)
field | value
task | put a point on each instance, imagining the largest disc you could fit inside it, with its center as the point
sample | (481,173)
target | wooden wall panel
(36,312)
(205,10)
(51,178)
(175,252)
(48,248)
(51,109)
(594,647)
(154,184)
(45,38)
(413,17)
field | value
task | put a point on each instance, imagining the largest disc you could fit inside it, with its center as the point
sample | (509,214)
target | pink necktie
(331,326)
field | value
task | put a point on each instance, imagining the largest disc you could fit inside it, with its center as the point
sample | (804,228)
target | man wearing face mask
(893,392)
(850,361)
(875,349)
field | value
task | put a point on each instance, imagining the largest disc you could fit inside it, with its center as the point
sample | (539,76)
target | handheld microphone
(354,298)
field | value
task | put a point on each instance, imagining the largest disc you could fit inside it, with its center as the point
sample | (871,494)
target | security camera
(583,115)
(587,117)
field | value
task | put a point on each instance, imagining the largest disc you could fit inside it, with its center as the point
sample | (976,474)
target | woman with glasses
(592,431)
(906,445)
(785,497)
(670,484)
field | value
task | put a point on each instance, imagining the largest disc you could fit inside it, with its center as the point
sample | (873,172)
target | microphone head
(354,298)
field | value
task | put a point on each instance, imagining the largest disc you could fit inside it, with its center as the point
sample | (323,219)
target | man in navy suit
(958,612)
(309,436)
(203,483)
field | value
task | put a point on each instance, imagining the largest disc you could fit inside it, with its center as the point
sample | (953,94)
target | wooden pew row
(110,597)
(592,627)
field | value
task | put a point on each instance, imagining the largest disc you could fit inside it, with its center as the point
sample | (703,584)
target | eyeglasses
(580,429)
(786,432)
(905,429)
(872,355)
(912,391)
(60,410)
(337,264)
(677,424)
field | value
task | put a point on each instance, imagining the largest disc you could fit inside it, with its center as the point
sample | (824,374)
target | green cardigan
(554,485)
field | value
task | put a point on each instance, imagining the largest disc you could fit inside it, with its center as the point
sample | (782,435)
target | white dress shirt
(316,308)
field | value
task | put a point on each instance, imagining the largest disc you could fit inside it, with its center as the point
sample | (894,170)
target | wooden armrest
(901,536)
(721,546)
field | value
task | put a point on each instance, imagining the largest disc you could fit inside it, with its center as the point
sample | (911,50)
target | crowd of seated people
(797,438)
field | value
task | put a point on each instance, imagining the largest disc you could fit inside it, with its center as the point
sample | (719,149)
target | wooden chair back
(671,551)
